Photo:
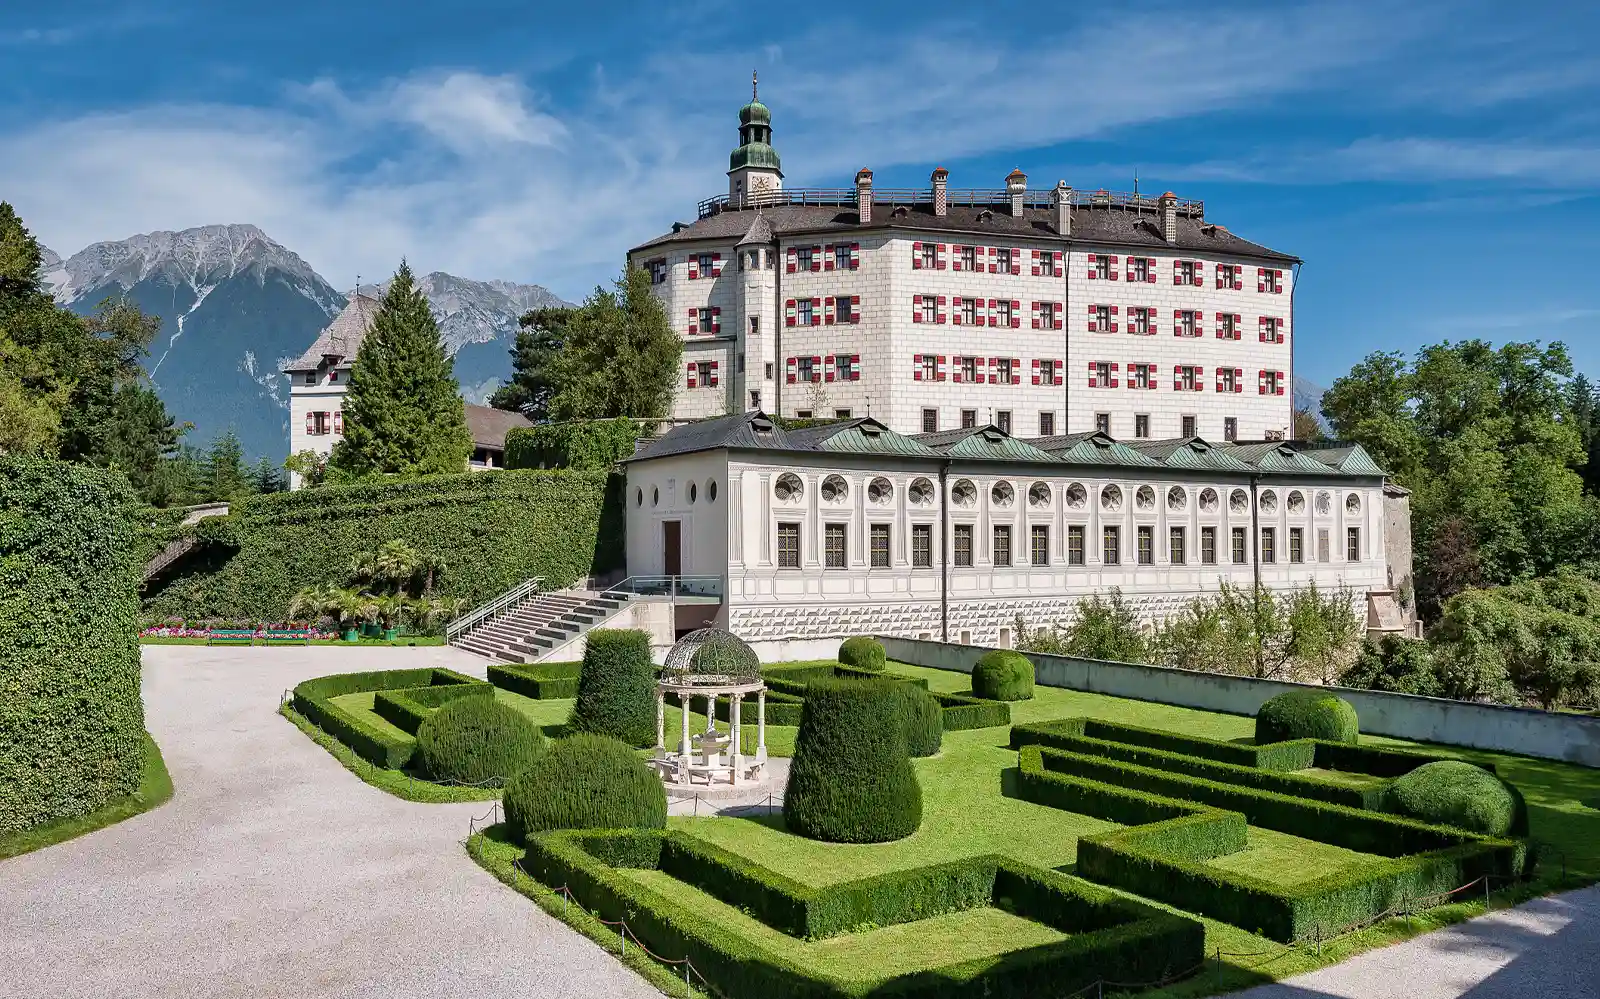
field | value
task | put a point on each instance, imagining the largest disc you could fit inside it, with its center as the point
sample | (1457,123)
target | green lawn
(155,787)
(364,643)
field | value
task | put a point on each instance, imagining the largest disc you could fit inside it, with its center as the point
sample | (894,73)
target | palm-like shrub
(1003,676)
(851,780)
(923,718)
(477,740)
(1306,714)
(585,782)
(1457,793)
(862,652)
(616,689)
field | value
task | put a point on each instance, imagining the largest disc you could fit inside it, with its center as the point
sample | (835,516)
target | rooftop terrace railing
(670,586)
(968,197)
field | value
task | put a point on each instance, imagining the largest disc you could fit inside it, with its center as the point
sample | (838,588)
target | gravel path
(275,872)
(1545,948)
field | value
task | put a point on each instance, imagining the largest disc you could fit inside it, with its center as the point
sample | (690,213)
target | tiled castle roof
(341,338)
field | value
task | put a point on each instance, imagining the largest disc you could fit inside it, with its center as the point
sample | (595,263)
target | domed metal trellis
(711,663)
(711,657)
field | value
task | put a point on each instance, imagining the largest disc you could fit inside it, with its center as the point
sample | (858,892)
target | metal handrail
(669,586)
(846,197)
(511,598)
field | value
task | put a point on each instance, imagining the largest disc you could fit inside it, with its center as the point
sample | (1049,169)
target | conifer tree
(403,412)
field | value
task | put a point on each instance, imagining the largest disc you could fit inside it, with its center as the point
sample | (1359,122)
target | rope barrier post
(622,935)
(1486,893)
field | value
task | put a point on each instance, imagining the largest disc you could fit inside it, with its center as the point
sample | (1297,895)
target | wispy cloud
(1540,319)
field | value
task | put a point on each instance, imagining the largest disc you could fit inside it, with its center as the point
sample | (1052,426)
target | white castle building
(1039,396)
(1041,312)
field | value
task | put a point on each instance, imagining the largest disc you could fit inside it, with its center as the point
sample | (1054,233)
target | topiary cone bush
(1003,676)
(477,740)
(851,779)
(585,782)
(924,720)
(1456,793)
(1306,714)
(617,687)
(862,652)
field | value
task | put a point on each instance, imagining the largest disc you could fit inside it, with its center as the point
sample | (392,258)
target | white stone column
(711,713)
(761,724)
(734,749)
(684,748)
(661,719)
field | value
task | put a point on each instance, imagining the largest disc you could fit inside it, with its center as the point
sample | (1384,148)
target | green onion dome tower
(755,173)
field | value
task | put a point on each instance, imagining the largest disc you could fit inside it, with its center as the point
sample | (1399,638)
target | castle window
(1005,371)
(1183,272)
(1147,545)
(1228,276)
(963,545)
(1228,381)
(930,421)
(1187,324)
(1003,259)
(921,546)
(1003,315)
(1141,425)
(969,419)
(880,546)
(1188,427)
(1138,320)
(969,310)
(1075,544)
(1187,378)
(1100,267)
(1050,372)
(1271,329)
(806,366)
(1227,326)
(1002,419)
(1269,545)
(1139,269)
(1141,376)
(1230,428)
(1039,544)
(1002,545)
(1102,423)
(703,371)
(311,377)
(1297,544)
(1102,319)
(803,314)
(969,369)
(969,258)
(841,256)
(833,545)
(658,271)
(1111,546)
(1208,546)
(1177,546)
(1352,544)
(1047,424)
(930,255)
(788,546)
(1269,281)
(803,258)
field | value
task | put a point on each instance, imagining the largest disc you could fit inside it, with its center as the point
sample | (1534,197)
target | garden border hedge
(313,700)
(540,681)
(958,711)
(407,707)
(1112,937)
(1186,824)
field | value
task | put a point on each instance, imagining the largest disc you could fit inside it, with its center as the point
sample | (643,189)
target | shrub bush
(924,719)
(490,531)
(862,652)
(1306,714)
(616,687)
(1003,676)
(71,718)
(477,741)
(582,444)
(851,779)
(540,681)
(585,781)
(962,713)
(408,707)
(1456,793)
(313,701)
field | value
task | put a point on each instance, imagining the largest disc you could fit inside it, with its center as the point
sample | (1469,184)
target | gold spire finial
(753,85)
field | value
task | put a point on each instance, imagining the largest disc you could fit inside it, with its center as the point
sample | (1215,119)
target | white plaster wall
(658,491)
(325,396)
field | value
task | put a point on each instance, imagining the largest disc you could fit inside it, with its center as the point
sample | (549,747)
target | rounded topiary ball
(1456,793)
(1306,714)
(617,687)
(477,740)
(1003,676)
(851,780)
(862,652)
(924,720)
(585,782)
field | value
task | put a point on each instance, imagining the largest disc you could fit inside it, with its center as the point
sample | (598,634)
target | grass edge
(393,782)
(155,790)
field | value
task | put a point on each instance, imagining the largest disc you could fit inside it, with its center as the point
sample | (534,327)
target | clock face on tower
(761,185)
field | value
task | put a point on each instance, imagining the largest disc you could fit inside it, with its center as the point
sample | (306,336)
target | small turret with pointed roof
(754,169)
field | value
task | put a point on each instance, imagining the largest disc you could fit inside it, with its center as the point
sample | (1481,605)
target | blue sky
(1437,165)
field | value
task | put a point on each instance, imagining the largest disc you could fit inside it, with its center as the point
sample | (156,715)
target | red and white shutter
(827,368)
(788,313)
(716,271)
(955,257)
(827,256)
(1177,322)
(1238,325)
(694,321)
(1113,271)
(1238,379)
(694,267)
(1092,272)
(716,320)
(816,368)
(789,371)
(1281,381)
(714,374)
(977,364)
(1061,371)
(1114,323)
(938,367)
(1150,271)
(939,304)
(1016,314)
(1222,325)
(1057,269)
(1177,378)
(1016,371)
(916,256)
(1261,279)
(1130,274)
(1035,308)
(1060,314)
(1261,328)
(1094,318)
(1221,270)
(855,256)
(955,370)
(792,262)
(1093,379)
(855,308)
(1177,272)
(1279,327)
(1199,274)
(994,265)
(916,367)
(938,257)
(1261,383)
(1114,380)
(1277,286)
(1220,380)
(827,311)
(855,367)
(693,367)
(1016,260)
(916,308)
(816,258)
(311,424)
(816,312)
(955,313)
(1036,371)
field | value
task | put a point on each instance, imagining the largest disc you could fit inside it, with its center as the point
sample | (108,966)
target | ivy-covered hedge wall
(71,718)
(492,530)
(595,445)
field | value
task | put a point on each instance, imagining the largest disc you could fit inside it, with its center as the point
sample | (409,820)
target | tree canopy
(534,379)
(403,412)
(618,355)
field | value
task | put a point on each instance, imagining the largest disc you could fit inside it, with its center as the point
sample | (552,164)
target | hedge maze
(405,696)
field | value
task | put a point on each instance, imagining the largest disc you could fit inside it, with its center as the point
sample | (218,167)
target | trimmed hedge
(540,681)
(582,444)
(585,781)
(863,652)
(313,701)
(490,531)
(782,709)
(1003,675)
(1110,936)
(407,708)
(851,779)
(616,687)
(1307,714)
(1457,793)
(71,718)
(962,712)
(477,741)
(1165,860)
(923,718)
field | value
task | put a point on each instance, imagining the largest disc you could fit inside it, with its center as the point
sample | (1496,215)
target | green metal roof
(1096,449)
(1190,452)
(1276,456)
(1352,459)
(986,443)
(871,437)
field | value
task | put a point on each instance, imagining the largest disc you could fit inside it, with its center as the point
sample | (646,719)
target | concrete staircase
(540,625)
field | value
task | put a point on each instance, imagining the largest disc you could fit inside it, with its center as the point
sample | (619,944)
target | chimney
(1016,187)
(1061,200)
(941,197)
(1169,217)
(864,194)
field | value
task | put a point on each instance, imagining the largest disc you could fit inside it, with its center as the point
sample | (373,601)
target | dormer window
(311,377)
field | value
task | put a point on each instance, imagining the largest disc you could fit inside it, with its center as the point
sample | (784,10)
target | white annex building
(1040,312)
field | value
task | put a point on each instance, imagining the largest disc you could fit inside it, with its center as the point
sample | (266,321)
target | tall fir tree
(225,471)
(533,364)
(403,412)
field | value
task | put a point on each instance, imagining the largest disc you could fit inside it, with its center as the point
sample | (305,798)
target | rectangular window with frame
(806,369)
(1003,258)
(1047,424)
(1237,540)
(1185,271)
(658,271)
(1269,281)
(833,546)
(969,369)
(1050,315)
(1352,544)
(1227,379)
(1229,328)
(802,258)
(1002,419)
(1050,371)
(841,414)
(1102,422)
(930,367)
(1208,546)
(1322,545)
(788,546)
(1188,324)
(969,419)
(880,546)
(963,545)
(1139,320)
(311,377)
(1147,545)
(708,264)
(1111,546)
(841,256)
(1139,268)
(1190,377)
(921,546)
(1141,375)
(703,371)
(1230,428)
(1002,544)
(1297,544)
(1002,313)
(1102,319)
(804,314)
(1039,544)
(1269,545)
(1188,427)
(802,414)
(930,421)
(1271,380)
(1177,546)
(969,311)
(1141,425)
(1005,373)
(1102,374)
(969,258)
(930,256)
(1075,552)
(1101,267)
(1228,275)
